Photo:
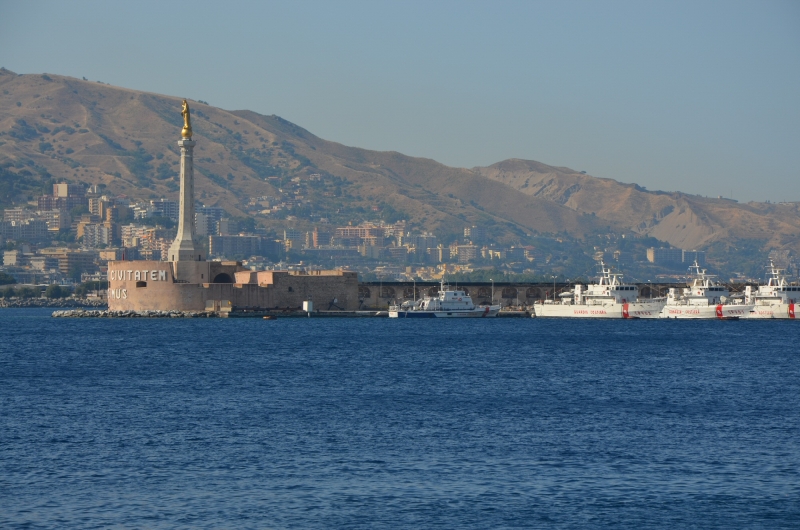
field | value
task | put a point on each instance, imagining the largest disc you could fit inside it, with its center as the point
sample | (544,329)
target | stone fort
(187,282)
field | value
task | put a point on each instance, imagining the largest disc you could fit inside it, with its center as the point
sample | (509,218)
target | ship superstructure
(776,299)
(704,298)
(608,298)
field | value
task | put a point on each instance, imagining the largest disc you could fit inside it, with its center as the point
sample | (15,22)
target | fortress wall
(290,291)
(321,289)
(264,277)
(246,277)
(150,285)
(158,285)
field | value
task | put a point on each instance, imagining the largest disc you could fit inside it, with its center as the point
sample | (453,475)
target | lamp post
(554,288)
(491,280)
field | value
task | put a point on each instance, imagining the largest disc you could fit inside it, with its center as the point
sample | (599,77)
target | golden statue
(186,132)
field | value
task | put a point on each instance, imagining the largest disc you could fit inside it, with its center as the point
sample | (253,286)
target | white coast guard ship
(704,298)
(448,303)
(607,299)
(777,299)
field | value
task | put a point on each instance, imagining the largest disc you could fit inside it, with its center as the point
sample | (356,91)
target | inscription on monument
(154,275)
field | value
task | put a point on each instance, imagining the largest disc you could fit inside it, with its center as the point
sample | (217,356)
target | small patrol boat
(447,303)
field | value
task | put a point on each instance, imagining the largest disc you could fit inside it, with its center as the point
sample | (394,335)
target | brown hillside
(125,139)
(55,127)
(440,197)
(685,221)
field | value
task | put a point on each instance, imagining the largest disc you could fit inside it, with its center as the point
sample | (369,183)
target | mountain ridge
(58,127)
(683,220)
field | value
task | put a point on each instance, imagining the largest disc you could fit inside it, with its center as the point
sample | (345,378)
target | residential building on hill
(230,246)
(467,253)
(293,239)
(207,219)
(661,256)
(33,230)
(164,208)
(476,234)
(675,256)
(690,256)
(68,190)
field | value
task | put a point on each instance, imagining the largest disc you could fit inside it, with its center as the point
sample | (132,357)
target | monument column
(183,248)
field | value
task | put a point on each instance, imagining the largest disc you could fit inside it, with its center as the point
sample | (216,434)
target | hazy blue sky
(696,96)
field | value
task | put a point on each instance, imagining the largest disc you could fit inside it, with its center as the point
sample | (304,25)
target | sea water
(381,423)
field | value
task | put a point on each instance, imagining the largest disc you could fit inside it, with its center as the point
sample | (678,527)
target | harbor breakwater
(83,313)
(52,302)
(87,313)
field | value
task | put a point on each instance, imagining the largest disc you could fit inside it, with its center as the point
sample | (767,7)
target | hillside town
(68,237)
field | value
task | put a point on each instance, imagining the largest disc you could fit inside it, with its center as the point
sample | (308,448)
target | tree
(83,289)
(245,224)
(166,222)
(78,211)
(75,272)
(55,291)
(28,292)
(7,279)
(9,292)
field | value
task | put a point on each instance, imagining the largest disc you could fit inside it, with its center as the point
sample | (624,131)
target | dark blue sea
(378,423)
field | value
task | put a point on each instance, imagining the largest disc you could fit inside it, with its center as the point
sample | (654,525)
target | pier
(380,295)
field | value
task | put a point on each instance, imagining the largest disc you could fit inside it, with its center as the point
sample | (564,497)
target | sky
(698,96)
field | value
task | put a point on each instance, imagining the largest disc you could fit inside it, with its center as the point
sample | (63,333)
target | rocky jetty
(52,302)
(83,313)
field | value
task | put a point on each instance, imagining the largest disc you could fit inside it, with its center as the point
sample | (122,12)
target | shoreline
(54,302)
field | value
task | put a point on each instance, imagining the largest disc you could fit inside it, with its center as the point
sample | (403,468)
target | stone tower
(184,248)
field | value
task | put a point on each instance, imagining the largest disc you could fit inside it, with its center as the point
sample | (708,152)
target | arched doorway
(409,293)
(222,278)
(534,293)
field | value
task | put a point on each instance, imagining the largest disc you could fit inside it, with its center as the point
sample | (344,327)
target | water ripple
(363,423)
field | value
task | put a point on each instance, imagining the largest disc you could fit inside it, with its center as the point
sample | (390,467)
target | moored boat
(777,299)
(447,303)
(609,298)
(704,298)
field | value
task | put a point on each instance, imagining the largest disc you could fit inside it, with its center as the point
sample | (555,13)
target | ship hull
(628,310)
(781,311)
(478,312)
(719,311)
